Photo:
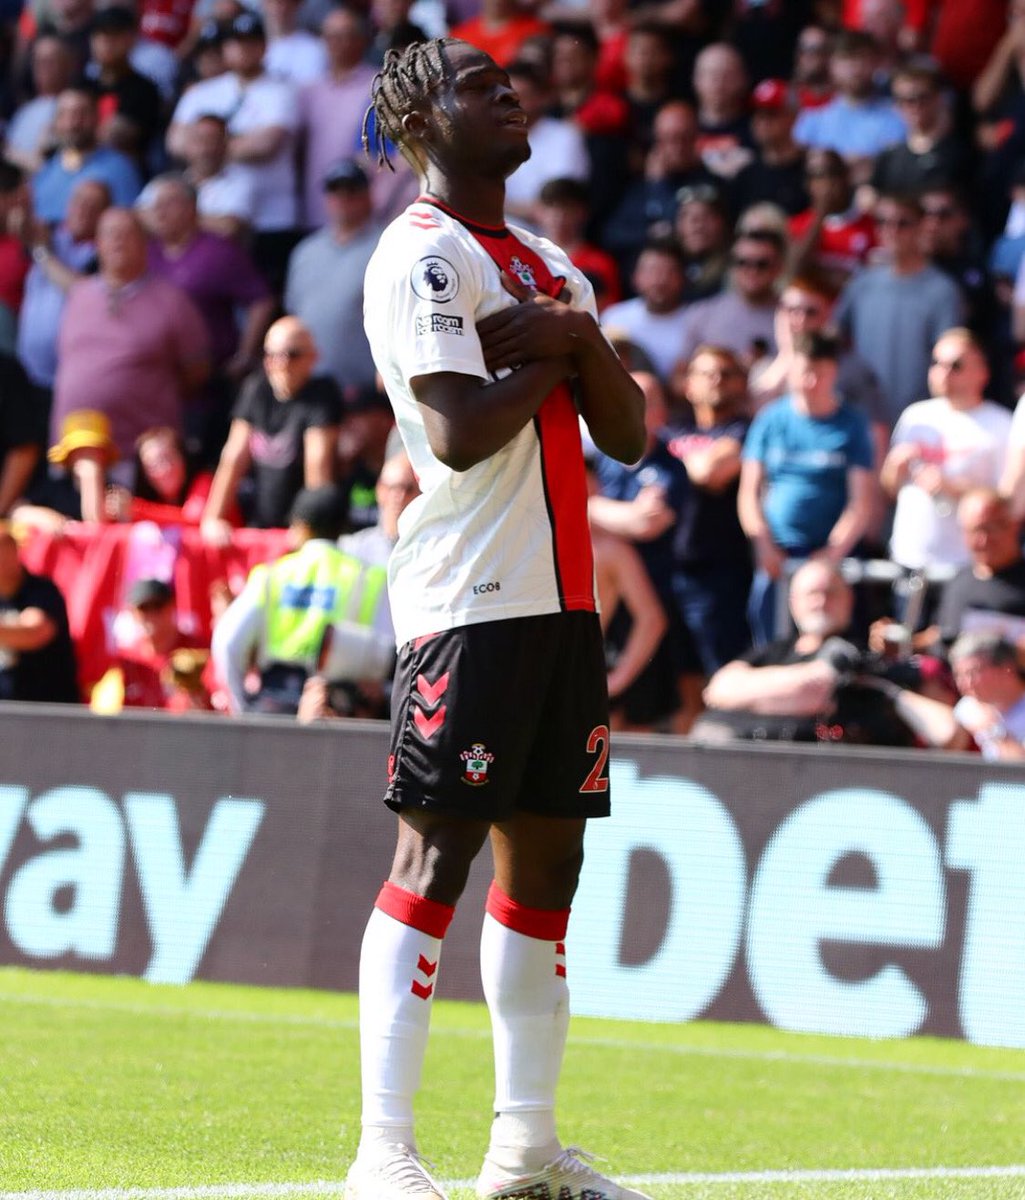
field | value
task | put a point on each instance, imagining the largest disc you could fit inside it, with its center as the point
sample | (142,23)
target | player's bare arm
(538,327)
(467,420)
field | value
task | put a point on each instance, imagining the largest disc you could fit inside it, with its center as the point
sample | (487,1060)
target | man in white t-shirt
(940,449)
(500,711)
(262,117)
(656,317)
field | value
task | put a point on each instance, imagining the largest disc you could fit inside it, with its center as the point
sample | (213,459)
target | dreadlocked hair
(406,78)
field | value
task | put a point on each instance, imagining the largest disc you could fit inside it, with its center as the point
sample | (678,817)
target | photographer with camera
(817,686)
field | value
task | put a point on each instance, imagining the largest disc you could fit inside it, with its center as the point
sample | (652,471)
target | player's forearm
(468,421)
(611,402)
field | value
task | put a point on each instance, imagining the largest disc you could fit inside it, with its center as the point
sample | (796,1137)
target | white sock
(397,976)
(523,970)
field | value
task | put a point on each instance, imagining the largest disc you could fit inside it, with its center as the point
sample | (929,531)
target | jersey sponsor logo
(319,597)
(493,585)
(475,764)
(524,272)
(434,278)
(439,323)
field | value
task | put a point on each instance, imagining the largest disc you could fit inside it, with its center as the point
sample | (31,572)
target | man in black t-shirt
(284,434)
(37,658)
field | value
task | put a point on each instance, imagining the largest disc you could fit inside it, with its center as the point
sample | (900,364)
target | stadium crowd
(805,227)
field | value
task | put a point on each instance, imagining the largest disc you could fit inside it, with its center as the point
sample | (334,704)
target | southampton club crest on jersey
(524,272)
(476,761)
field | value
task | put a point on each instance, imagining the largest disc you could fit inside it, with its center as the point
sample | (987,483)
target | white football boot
(391,1171)
(569,1176)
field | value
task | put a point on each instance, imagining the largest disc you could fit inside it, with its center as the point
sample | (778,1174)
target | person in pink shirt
(130,345)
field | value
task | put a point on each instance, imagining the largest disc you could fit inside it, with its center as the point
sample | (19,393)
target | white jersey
(508,537)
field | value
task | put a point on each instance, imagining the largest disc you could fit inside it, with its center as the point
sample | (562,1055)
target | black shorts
(500,717)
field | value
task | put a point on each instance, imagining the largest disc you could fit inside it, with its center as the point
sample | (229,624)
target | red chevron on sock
(426,967)
(429,726)
(422,990)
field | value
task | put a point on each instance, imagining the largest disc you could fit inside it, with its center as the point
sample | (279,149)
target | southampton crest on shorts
(476,760)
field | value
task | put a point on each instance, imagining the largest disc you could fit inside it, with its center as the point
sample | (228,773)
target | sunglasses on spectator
(753,264)
(813,47)
(292,353)
(951,364)
(806,310)
(942,212)
(896,222)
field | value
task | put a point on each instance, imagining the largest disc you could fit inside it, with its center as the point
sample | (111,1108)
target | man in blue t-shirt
(807,483)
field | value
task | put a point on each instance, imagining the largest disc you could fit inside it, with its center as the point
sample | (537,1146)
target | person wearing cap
(78,155)
(84,453)
(283,434)
(311,611)
(777,171)
(332,106)
(324,283)
(262,116)
(37,656)
(138,676)
(129,102)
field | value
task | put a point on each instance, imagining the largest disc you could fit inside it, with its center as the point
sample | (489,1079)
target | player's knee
(433,857)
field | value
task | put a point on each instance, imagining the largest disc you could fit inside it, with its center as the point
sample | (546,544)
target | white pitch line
(302,1021)
(243,1191)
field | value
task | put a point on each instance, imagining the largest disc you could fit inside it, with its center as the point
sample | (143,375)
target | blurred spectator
(324,285)
(806,306)
(992,705)
(364,443)
(562,217)
(998,100)
(14,262)
(77,490)
(129,104)
(857,123)
(989,592)
(557,146)
(332,106)
(37,658)
(932,152)
(283,431)
(741,318)
(262,116)
(648,205)
(169,488)
(702,228)
(651,81)
(724,131)
(27,139)
(811,77)
(894,313)
(1012,485)
(293,54)
(711,555)
(777,170)
(806,485)
(225,194)
(59,259)
(641,502)
(500,29)
(392,28)
(232,297)
(816,686)
(831,236)
(302,615)
(963,37)
(622,582)
(942,448)
(148,672)
(655,318)
(77,156)
(131,346)
(22,433)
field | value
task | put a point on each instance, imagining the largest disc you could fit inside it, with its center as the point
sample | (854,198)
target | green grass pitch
(112,1085)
